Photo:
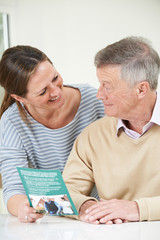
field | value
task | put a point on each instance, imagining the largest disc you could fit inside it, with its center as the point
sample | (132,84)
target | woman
(40,119)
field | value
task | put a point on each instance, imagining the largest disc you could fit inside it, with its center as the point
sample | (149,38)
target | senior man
(120,153)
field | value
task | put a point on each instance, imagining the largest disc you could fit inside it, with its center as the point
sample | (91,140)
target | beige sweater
(121,167)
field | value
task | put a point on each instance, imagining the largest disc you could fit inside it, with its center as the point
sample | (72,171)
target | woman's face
(45,89)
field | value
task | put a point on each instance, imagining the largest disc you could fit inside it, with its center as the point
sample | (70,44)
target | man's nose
(101,93)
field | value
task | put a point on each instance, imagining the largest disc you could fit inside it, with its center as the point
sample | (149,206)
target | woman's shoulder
(8,122)
(87,91)
(11,112)
(82,87)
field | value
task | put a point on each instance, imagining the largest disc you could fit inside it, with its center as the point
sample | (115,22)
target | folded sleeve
(149,208)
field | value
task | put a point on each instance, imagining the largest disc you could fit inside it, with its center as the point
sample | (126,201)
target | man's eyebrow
(105,81)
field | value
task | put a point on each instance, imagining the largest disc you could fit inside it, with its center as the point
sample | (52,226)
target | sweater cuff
(78,201)
(143,209)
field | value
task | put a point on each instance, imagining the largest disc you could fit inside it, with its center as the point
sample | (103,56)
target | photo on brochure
(47,192)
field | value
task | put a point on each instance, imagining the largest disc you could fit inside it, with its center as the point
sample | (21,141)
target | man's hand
(109,211)
(82,212)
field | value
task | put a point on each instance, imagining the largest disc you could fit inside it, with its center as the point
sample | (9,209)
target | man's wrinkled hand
(109,211)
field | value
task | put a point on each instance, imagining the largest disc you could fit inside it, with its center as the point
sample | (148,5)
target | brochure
(47,192)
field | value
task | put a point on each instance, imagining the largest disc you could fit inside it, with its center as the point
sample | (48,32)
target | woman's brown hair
(17,65)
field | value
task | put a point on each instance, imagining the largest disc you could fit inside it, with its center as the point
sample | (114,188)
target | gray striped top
(22,145)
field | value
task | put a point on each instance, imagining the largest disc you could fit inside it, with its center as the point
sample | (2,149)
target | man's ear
(17,98)
(142,89)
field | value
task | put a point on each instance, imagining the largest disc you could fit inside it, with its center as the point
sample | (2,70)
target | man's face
(118,98)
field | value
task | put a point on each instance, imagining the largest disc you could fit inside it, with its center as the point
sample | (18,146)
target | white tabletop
(61,228)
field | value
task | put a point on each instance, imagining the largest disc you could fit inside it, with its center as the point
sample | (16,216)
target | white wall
(72,31)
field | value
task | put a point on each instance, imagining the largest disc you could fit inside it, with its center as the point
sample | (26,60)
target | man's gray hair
(138,60)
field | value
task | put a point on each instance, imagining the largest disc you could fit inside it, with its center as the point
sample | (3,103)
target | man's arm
(78,175)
